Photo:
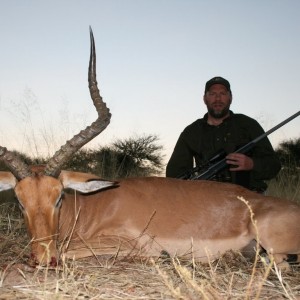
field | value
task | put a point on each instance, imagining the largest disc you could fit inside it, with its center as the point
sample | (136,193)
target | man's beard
(218,114)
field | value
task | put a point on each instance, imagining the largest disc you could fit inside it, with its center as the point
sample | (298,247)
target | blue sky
(153,59)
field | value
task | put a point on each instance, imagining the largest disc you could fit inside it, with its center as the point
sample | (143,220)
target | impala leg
(249,251)
(283,261)
(279,235)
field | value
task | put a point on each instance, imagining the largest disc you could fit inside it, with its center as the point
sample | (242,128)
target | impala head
(39,189)
(39,198)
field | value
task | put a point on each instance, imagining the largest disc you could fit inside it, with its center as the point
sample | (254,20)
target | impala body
(140,216)
(145,216)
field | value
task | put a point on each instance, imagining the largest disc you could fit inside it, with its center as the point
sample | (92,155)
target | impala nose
(44,254)
(34,261)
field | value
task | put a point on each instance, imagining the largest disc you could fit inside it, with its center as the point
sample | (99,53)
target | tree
(107,163)
(287,182)
(141,154)
(289,153)
(82,161)
(132,157)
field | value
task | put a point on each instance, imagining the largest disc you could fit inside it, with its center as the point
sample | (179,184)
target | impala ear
(7,181)
(90,186)
(83,182)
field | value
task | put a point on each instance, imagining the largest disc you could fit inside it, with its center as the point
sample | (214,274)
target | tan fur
(144,216)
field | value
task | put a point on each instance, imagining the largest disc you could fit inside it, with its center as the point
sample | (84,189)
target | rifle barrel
(218,166)
(262,136)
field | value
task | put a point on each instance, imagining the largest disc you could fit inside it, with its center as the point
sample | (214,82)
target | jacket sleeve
(266,162)
(181,159)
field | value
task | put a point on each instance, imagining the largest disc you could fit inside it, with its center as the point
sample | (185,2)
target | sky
(153,59)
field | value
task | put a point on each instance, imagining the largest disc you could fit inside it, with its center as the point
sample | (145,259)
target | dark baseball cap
(217,80)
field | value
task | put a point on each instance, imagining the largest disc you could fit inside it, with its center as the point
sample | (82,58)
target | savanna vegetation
(230,277)
(287,183)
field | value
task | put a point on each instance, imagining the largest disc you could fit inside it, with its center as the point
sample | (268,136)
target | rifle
(218,162)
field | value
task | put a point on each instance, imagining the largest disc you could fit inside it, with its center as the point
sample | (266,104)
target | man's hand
(239,162)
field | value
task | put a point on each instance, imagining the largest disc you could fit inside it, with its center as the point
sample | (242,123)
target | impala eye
(20,205)
(58,202)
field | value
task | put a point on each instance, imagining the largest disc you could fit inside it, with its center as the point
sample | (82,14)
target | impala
(140,216)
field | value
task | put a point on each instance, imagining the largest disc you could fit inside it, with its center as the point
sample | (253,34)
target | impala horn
(14,164)
(55,164)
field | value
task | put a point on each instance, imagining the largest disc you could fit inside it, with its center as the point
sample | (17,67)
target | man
(222,130)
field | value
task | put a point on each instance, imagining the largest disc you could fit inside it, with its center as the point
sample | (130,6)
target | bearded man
(222,131)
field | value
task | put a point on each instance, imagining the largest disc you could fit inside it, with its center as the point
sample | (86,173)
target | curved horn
(14,164)
(55,164)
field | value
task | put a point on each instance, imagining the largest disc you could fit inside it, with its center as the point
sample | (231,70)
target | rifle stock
(215,168)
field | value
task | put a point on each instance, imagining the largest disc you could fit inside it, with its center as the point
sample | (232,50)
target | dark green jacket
(200,141)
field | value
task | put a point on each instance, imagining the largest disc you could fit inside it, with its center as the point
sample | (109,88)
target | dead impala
(141,216)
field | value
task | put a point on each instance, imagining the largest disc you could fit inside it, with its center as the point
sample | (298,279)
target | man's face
(217,100)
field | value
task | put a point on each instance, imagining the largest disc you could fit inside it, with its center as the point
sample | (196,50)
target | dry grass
(230,277)
(286,185)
